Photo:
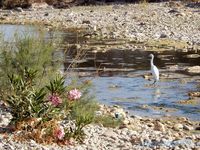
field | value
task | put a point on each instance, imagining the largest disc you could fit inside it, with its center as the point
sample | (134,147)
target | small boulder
(110,133)
(85,22)
(19,9)
(159,126)
(126,121)
(192,56)
(173,11)
(46,14)
(39,5)
(197,128)
(194,69)
(194,94)
(178,127)
(186,127)
(163,35)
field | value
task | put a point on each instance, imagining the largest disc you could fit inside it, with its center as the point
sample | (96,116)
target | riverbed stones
(37,6)
(194,94)
(187,127)
(193,56)
(178,127)
(159,126)
(142,137)
(131,21)
(193,69)
(5,118)
(18,9)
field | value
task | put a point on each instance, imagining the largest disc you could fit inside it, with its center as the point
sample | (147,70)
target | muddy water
(117,76)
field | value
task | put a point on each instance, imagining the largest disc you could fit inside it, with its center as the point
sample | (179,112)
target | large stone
(189,128)
(110,133)
(183,143)
(178,127)
(197,128)
(159,126)
(194,94)
(194,69)
(19,9)
(126,121)
(39,5)
(192,56)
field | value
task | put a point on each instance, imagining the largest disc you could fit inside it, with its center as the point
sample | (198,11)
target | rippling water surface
(138,96)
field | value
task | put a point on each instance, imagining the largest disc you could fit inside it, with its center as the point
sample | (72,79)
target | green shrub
(37,96)
(27,52)
(24,100)
(57,86)
(52,103)
(108,121)
(83,112)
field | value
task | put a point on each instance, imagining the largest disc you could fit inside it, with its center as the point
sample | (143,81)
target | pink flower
(74,94)
(55,99)
(59,133)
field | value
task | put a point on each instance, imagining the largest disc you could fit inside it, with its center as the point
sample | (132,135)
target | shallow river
(120,78)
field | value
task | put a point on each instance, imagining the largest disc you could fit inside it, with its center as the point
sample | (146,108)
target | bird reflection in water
(156,94)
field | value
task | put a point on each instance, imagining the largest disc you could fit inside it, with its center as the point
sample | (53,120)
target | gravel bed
(135,133)
(145,21)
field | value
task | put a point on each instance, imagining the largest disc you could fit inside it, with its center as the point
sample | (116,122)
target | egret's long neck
(151,61)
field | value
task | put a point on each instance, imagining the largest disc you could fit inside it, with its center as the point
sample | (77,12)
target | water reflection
(156,96)
(10,31)
(138,98)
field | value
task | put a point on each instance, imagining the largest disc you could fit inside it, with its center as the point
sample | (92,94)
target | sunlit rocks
(191,101)
(193,56)
(193,69)
(178,127)
(19,9)
(159,126)
(187,127)
(40,6)
(194,94)
(130,22)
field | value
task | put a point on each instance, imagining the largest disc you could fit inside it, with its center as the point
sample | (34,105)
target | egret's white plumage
(154,70)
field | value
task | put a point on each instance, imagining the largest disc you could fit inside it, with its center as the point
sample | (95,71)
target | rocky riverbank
(142,22)
(134,133)
(133,22)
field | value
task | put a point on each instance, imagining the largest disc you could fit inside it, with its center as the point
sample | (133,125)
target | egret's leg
(154,82)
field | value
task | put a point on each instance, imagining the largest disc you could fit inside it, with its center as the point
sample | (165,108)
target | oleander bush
(42,113)
(44,107)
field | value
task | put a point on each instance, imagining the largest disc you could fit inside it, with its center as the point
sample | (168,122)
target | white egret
(154,70)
